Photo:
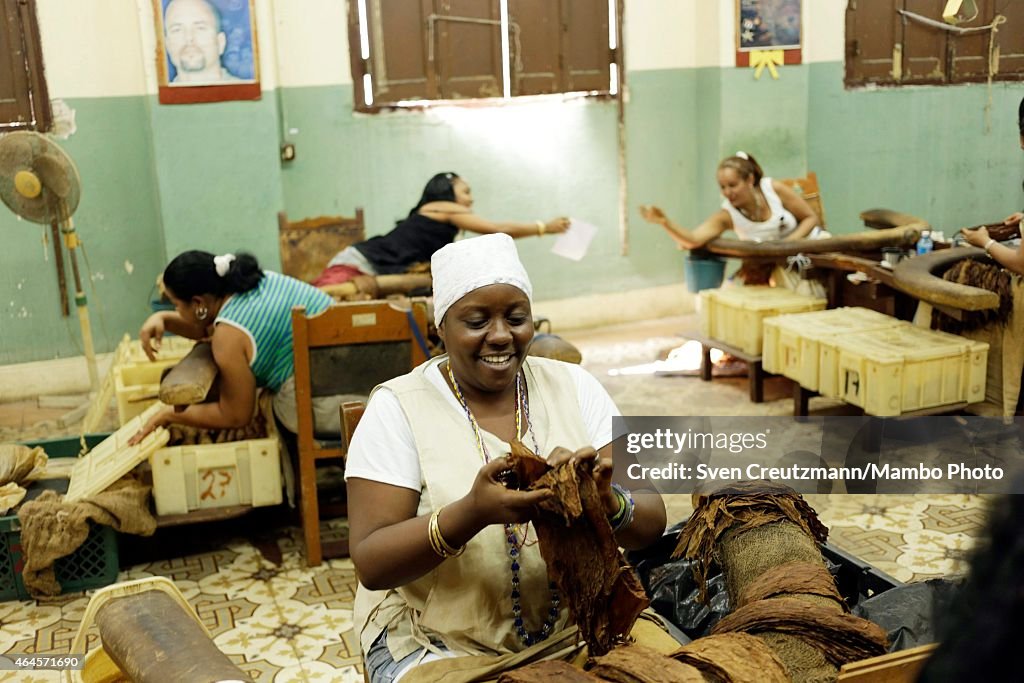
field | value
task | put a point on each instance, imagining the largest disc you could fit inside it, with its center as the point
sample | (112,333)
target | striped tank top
(264,313)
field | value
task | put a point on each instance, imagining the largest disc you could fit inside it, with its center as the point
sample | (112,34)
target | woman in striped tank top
(245,312)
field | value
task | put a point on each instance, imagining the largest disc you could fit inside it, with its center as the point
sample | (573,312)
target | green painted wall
(523,162)
(161,179)
(925,151)
(218,174)
(119,221)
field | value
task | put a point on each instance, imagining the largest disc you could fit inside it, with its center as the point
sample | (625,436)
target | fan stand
(71,241)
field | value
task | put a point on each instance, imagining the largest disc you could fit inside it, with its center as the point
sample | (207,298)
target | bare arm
(152,333)
(237,401)
(474,223)
(390,545)
(807,220)
(464,219)
(1008,257)
(716,224)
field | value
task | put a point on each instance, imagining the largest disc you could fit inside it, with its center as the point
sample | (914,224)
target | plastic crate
(189,478)
(802,346)
(734,315)
(137,379)
(186,478)
(93,565)
(899,370)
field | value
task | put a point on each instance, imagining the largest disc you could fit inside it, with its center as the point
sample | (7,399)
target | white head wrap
(461,267)
(222,263)
(742,155)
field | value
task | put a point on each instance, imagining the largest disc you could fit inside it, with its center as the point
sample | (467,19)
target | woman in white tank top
(757,208)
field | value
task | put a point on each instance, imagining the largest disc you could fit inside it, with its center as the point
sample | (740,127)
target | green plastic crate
(93,565)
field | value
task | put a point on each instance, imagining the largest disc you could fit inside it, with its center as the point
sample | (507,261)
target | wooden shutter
(874,33)
(467,49)
(586,53)
(24,102)
(536,43)
(924,47)
(970,54)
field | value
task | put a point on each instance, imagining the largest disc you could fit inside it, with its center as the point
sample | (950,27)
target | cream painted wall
(313,37)
(91,49)
(659,34)
(824,26)
(105,48)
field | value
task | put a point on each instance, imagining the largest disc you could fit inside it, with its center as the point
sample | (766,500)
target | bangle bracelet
(437,542)
(988,245)
(627,512)
(541,228)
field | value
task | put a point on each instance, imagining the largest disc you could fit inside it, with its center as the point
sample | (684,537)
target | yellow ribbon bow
(759,59)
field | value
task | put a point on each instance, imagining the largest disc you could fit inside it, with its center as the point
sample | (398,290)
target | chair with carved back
(808,189)
(347,350)
(308,244)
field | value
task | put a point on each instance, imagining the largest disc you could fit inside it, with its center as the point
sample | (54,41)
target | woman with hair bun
(755,207)
(444,208)
(245,312)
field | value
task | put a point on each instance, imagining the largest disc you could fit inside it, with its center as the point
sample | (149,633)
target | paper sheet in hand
(574,242)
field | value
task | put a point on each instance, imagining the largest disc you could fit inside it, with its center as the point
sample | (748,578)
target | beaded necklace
(526,637)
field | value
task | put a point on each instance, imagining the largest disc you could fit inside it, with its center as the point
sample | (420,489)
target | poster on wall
(768,27)
(206,50)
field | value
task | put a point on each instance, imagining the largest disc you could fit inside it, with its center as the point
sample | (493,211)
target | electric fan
(39,182)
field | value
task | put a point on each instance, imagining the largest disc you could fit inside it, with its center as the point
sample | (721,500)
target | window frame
(364,33)
(907,49)
(35,108)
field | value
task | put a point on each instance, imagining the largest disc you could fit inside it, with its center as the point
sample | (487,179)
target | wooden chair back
(808,189)
(308,244)
(348,349)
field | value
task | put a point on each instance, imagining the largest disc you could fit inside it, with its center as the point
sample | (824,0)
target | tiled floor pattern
(285,623)
(281,621)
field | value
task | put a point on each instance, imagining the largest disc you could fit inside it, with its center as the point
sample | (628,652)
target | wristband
(988,245)
(541,228)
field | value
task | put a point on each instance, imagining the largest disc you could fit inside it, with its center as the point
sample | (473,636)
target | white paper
(574,242)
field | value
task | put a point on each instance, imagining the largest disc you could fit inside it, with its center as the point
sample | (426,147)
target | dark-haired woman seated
(444,208)
(245,312)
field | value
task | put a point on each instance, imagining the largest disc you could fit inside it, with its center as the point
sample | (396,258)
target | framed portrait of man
(206,50)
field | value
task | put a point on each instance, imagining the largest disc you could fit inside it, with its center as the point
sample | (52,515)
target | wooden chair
(808,189)
(348,349)
(308,244)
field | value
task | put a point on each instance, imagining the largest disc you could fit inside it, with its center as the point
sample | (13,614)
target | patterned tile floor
(281,621)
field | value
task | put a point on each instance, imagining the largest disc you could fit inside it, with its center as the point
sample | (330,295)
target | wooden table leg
(801,399)
(705,362)
(755,374)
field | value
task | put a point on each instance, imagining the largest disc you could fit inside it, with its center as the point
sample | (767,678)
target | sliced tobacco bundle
(735,658)
(737,508)
(638,664)
(603,592)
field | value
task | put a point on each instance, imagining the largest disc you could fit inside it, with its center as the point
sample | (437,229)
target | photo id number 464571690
(39,662)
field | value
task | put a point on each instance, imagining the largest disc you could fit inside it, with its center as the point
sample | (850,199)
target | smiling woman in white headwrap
(245,312)
(438,574)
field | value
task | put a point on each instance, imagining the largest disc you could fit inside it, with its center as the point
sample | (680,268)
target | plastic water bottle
(925,244)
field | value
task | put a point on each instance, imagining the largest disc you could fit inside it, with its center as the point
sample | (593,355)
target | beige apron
(465,603)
